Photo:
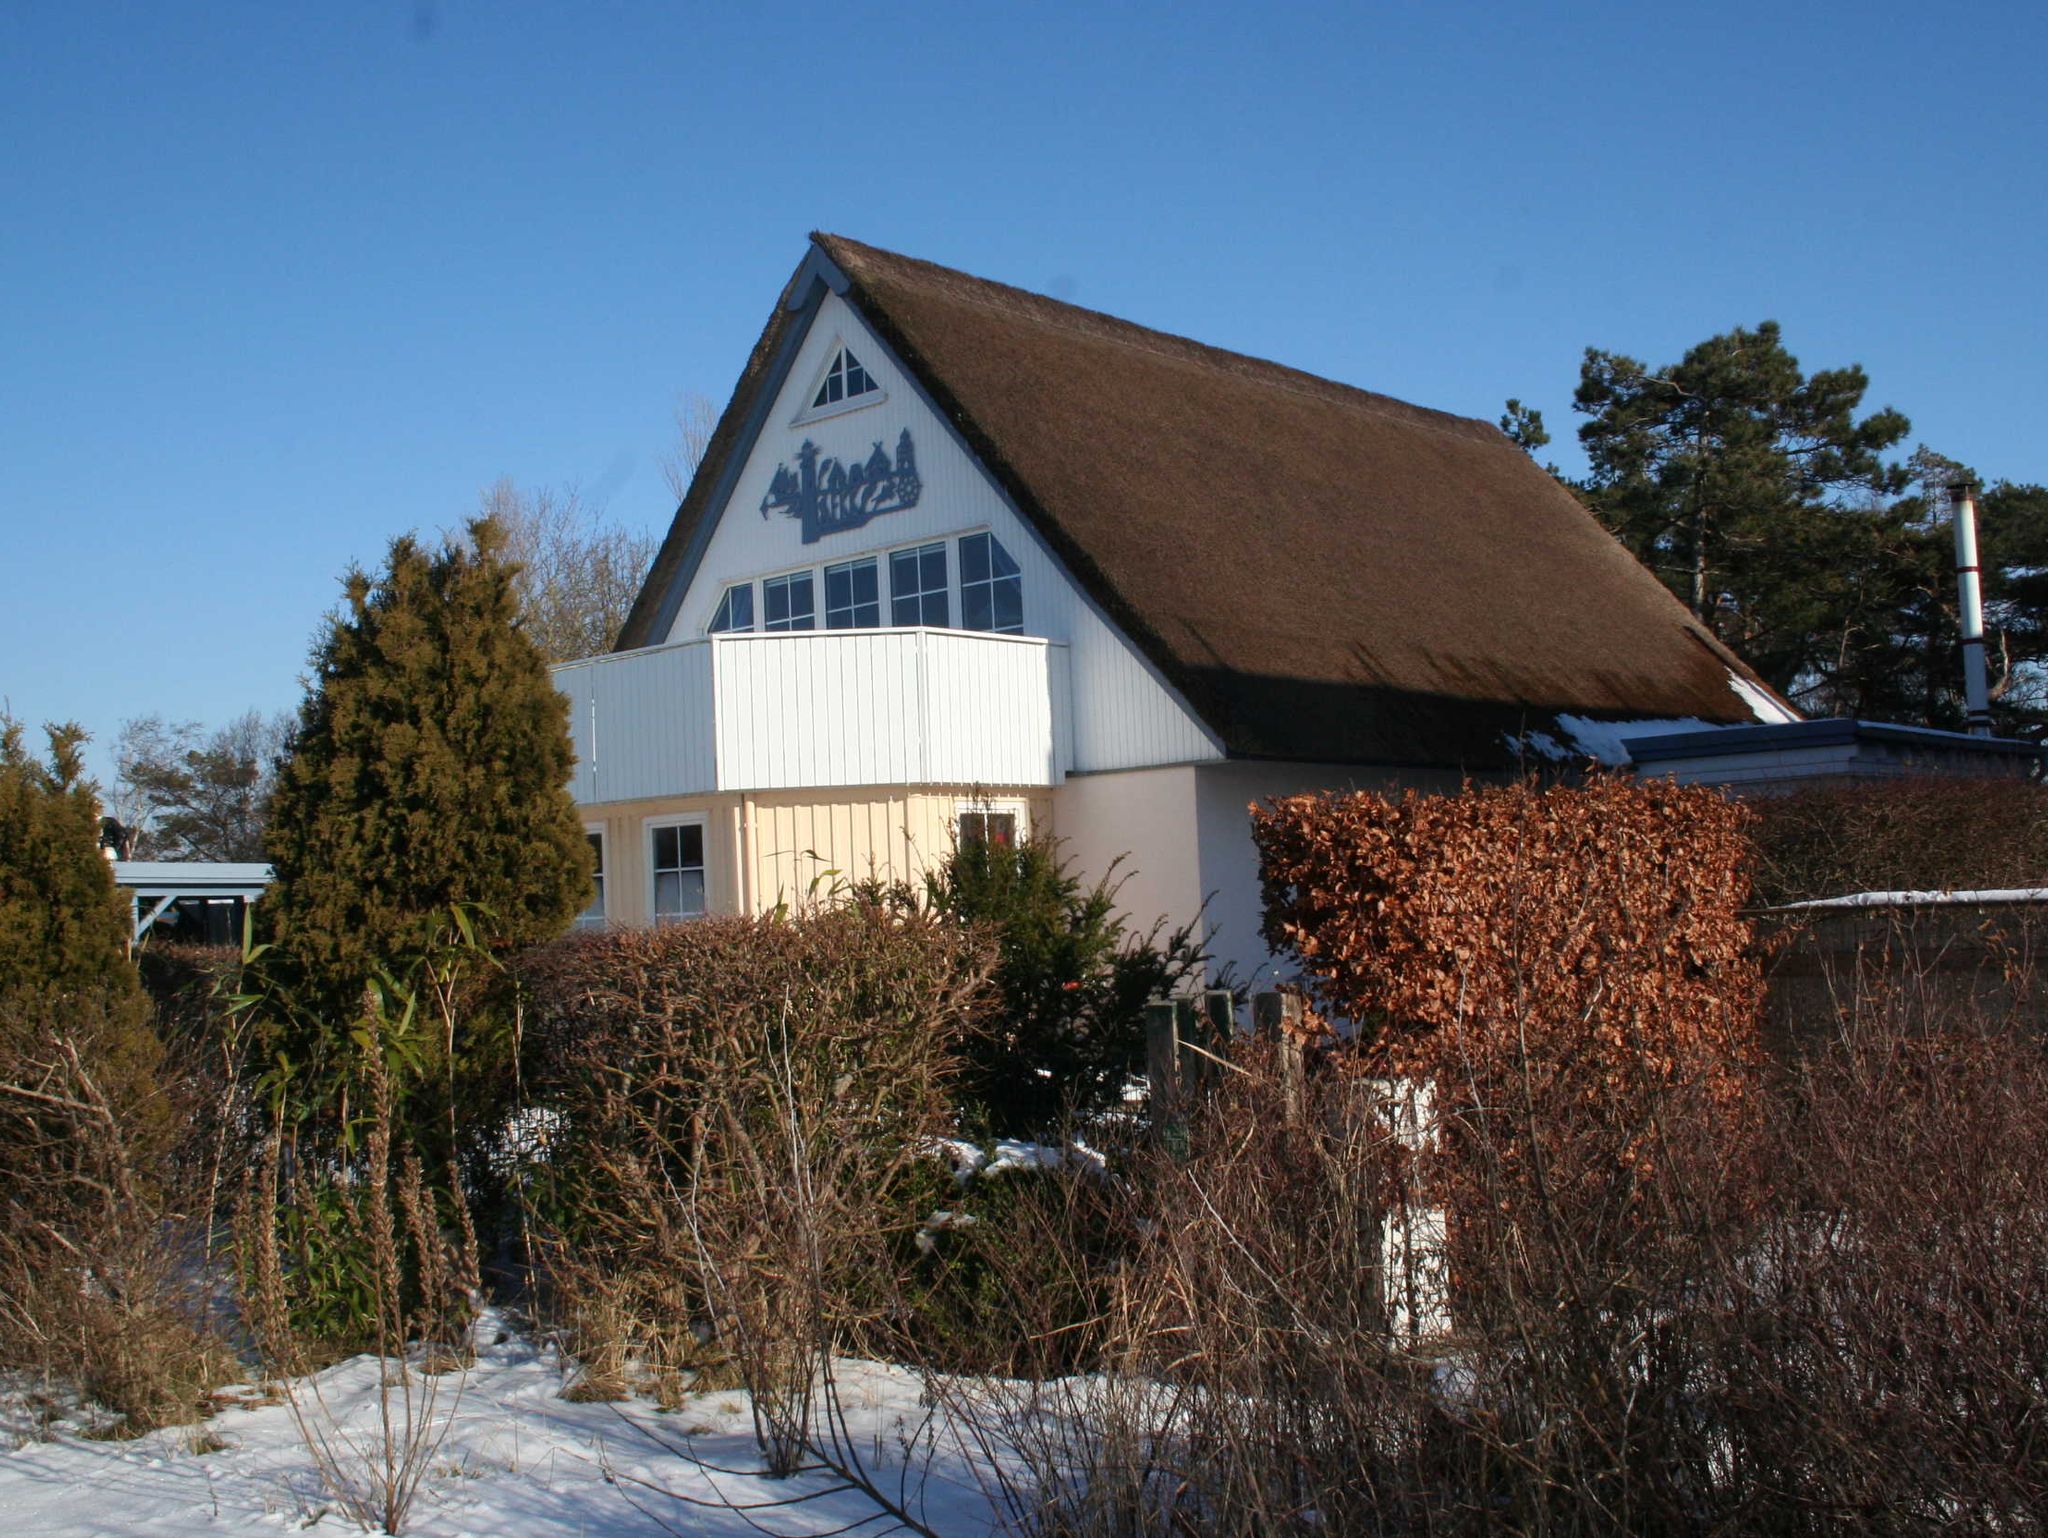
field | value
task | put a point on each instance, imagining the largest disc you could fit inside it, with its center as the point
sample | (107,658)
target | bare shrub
(1892,1349)
(737,1099)
(103,1282)
(1691,1291)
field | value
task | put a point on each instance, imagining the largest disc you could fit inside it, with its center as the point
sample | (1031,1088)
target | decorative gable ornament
(831,498)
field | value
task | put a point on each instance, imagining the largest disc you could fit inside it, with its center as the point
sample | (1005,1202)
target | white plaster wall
(1147,815)
(1122,715)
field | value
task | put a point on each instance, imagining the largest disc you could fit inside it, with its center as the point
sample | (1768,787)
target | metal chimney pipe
(1970,596)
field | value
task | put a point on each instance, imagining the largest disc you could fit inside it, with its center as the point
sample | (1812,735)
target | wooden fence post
(1162,1049)
(1163,1069)
(1276,1017)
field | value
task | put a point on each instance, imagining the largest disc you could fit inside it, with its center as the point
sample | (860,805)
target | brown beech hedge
(1568,967)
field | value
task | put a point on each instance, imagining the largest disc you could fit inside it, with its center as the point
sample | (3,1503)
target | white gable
(1123,714)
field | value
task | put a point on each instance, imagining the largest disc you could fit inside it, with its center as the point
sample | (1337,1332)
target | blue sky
(280,281)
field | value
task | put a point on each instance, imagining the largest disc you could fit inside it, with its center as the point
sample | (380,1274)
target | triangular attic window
(844,380)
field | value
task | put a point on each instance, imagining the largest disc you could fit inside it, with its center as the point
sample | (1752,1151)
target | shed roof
(1324,573)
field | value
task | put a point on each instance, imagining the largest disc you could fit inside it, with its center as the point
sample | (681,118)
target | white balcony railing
(819,708)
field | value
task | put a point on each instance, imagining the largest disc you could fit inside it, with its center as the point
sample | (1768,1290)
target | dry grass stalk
(418,1313)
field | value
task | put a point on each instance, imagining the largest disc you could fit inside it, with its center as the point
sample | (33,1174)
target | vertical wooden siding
(818,710)
(641,723)
(884,707)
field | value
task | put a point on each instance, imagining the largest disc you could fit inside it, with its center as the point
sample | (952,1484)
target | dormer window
(845,385)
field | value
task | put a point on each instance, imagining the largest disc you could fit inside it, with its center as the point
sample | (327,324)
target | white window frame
(881,555)
(961,584)
(806,412)
(648,825)
(813,576)
(602,917)
(723,606)
(824,589)
(1021,810)
(944,590)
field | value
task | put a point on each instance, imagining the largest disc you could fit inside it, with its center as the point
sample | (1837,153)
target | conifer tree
(1755,491)
(1073,980)
(71,1002)
(429,768)
(63,926)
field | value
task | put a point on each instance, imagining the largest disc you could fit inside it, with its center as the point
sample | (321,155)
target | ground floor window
(592,917)
(676,860)
(998,823)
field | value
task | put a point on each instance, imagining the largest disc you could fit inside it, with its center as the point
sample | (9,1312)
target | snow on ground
(518,1461)
(1009,1153)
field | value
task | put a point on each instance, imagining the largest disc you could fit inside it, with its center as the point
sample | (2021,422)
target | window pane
(991,591)
(974,607)
(903,588)
(788,603)
(997,828)
(974,558)
(824,390)
(1009,605)
(851,599)
(932,569)
(592,917)
(735,610)
(678,870)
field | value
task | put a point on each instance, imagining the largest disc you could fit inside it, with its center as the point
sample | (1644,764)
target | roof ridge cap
(1080,320)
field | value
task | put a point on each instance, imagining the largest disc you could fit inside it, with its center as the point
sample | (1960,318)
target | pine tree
(429,768)
(1755,492)
(63,926)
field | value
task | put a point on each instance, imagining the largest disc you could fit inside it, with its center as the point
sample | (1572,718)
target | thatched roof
(1322,572)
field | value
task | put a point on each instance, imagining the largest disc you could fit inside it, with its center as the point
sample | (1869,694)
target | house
(962,560)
